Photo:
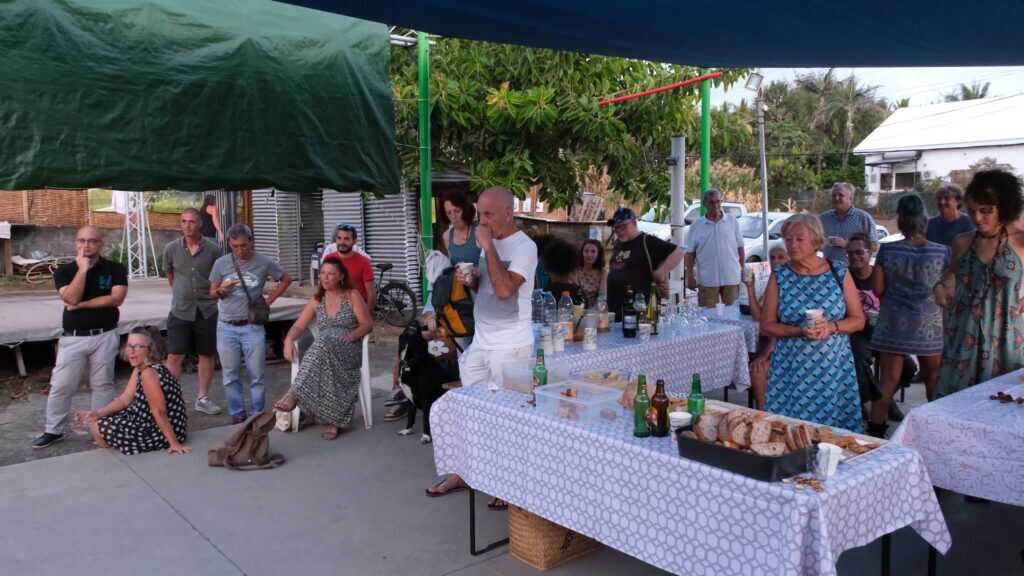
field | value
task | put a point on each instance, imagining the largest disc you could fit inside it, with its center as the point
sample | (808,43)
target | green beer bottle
(641,403)
(540,375)
(695,401)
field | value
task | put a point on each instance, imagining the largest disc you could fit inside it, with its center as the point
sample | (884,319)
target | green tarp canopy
(193,95)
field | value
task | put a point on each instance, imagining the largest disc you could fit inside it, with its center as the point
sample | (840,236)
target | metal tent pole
(764,175)
(678,203)
(705,140)
(426,193)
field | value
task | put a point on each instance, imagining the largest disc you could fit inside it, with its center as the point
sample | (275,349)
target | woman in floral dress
(327,385)
(981,291)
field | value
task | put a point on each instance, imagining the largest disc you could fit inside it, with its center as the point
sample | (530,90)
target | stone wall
(61,241)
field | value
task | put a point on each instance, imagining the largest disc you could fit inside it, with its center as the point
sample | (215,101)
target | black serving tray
(765,468)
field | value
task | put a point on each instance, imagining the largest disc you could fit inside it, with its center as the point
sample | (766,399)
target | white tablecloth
(971,444)
(639,497)
(716,351)
(731,315)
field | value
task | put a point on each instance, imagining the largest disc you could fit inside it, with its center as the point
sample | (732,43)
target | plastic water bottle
(550,308)
(538,306)
(565,310)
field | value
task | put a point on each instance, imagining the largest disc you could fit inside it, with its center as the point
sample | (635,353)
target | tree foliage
(518,117)
(975,91)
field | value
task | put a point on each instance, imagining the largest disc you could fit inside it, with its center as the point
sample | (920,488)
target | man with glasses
(638,259)
(192,323)
(92,289)
(357,264)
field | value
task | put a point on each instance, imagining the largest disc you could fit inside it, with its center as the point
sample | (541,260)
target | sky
(921,85)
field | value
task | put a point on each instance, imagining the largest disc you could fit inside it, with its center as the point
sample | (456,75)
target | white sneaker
(206,406)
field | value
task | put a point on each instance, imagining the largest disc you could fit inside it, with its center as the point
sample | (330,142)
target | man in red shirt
(359,268)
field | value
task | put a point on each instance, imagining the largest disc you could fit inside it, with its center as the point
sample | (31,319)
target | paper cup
(677,420)
(644,332)
(814,315)
(465,268)
(828,459)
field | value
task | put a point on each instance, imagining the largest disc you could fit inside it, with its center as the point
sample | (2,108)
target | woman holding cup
(810,306)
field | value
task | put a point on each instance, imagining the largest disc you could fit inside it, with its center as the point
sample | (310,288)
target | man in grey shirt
(192,323)
(236,336)
(843,221)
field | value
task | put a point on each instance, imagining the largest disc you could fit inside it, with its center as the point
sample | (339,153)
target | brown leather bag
(249,447)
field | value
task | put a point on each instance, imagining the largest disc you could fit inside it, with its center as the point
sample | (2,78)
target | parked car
(881,232)
(657,220)
(752,229)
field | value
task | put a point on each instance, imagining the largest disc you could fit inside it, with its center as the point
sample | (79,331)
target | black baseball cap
(621,215)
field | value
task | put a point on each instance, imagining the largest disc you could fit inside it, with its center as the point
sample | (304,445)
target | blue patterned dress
(813,380)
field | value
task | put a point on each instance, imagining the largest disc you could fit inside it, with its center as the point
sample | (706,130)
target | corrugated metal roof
(966,124)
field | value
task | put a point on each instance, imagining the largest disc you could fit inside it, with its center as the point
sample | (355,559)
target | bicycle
(396,302)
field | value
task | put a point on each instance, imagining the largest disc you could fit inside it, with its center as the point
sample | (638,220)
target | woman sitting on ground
(150,413)
(591,276)
(812,375)
(761,362)
(327,384)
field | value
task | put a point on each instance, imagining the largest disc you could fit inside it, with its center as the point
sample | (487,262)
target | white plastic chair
(302,344)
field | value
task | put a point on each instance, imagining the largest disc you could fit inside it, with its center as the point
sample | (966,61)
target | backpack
(453,305)
(249,447)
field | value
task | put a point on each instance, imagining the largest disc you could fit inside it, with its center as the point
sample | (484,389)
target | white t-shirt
(506,324)
(716,245)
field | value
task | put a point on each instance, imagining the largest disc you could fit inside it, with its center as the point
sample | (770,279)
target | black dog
(423,375)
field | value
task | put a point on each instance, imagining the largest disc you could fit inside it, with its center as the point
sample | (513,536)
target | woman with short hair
(150,413)
(981,290)
(812,374)
(909,321)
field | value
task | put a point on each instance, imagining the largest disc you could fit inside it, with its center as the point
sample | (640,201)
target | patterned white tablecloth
(971,444)
(731,315)
(639,497)
(716,351)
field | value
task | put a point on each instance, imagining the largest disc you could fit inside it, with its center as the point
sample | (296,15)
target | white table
(715,351)
(971,444)
(639,497)
(731,315)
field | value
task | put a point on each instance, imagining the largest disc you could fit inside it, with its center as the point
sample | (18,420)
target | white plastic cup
(644,332)
(814,315)
(558,333)
(590,338)
(677,420)
(547,341)
(828,459)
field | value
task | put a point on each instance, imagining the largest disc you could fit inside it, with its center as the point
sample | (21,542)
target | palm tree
(821,85)
(975,91)
(847,101)
(901,103)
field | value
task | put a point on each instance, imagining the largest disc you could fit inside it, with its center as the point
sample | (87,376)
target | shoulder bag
(259,310)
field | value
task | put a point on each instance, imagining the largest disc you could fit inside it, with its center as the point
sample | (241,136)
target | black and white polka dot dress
(134,430)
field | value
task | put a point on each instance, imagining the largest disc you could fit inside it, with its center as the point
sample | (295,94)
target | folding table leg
(886,554)
(21,361)
(933,558)
(472,529)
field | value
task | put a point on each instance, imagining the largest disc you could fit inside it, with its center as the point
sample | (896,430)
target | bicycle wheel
(40,272)
(398,303)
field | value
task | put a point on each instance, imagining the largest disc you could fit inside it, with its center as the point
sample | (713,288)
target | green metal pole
(426,193)
(705,138)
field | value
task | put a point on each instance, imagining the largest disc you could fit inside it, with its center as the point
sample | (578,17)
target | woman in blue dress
(812,374)
(909,320)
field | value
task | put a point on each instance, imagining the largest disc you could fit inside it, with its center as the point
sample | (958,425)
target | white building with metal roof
(939,140)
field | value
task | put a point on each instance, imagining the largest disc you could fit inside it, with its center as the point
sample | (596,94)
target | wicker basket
(542,544)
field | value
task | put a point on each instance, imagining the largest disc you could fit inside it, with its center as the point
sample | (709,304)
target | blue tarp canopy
(730,33)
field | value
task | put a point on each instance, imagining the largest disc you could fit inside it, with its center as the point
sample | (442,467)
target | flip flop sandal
(435,494)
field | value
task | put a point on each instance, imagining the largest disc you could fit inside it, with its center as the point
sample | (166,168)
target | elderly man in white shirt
(714,244)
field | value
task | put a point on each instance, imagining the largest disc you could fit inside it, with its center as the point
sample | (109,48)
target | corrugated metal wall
(342,208)
(276,228)
(312,226)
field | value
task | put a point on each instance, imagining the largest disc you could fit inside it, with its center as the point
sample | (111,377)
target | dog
(422,375)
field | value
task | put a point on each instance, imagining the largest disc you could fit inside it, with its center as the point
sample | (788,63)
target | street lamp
(754,85)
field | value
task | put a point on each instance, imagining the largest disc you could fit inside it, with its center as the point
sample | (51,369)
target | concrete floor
(352,506)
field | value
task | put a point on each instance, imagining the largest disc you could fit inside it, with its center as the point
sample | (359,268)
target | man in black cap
(638,259)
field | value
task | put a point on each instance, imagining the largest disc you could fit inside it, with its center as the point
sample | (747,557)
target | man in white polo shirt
(715,245)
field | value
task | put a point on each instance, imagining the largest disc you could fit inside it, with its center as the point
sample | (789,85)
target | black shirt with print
(629,266)
(99,281)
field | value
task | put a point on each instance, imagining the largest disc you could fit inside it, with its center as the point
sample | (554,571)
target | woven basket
(542,544)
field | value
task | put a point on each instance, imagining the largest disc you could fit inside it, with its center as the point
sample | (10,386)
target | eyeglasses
(87,240)
(137,346)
